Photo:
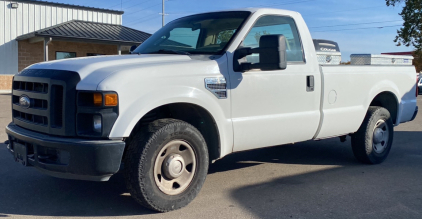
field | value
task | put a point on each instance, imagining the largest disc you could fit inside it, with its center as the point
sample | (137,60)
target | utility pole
(163,14)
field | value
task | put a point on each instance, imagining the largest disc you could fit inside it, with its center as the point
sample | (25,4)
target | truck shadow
(324,152)
(392,188)
(24,191)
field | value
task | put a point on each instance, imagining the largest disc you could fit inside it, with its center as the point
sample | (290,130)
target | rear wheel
(166,164)
(372,142)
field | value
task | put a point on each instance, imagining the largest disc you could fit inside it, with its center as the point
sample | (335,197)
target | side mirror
(132,48)
(272,54)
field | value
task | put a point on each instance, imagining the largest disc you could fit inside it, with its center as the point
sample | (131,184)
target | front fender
(134,109)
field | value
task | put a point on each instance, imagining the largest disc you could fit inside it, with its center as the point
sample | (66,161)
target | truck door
(275,107)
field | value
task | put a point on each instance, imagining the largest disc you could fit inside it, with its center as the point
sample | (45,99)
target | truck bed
(347,92)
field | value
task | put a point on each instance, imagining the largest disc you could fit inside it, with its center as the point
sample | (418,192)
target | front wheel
(166,164)
(371,144)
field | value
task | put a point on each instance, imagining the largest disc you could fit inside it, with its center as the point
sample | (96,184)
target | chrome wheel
(380,136)
(174,167)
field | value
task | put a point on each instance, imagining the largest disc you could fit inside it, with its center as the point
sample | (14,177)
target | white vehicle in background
(188,96)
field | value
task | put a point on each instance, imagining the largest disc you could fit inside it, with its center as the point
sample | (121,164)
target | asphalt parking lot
(315,179)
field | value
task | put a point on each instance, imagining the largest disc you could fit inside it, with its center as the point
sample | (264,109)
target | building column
(119,49)
(47,41)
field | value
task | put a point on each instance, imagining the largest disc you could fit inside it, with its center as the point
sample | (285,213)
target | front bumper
(69,158)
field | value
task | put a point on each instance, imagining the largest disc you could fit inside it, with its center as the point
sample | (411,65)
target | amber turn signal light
(110,100)
(98,99)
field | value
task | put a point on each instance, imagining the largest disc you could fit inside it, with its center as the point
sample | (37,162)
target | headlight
(97,123)
(96,113)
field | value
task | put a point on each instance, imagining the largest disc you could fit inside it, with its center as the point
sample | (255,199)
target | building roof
(90,31)
(70,6)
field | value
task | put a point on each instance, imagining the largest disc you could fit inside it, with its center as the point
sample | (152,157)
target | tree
(224,36)
(411,32)
(259,34)
(417,62)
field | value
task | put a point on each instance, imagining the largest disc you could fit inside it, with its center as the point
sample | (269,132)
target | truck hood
(102,64)
(93,70)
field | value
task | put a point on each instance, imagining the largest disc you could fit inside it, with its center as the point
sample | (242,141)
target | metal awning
(85,31)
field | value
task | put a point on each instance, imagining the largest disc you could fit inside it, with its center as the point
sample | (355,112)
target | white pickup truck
(193,93)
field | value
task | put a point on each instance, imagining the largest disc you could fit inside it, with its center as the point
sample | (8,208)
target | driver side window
(272,24)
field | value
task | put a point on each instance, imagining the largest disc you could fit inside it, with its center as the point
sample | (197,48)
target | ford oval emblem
(24,101)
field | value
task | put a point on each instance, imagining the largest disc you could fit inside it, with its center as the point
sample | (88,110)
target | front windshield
(197,34)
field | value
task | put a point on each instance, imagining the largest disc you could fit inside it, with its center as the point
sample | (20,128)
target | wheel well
(193,114)
(389,101)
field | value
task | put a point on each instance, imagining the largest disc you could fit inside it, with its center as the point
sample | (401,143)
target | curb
(5,91)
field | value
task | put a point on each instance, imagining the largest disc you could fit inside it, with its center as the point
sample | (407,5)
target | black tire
(364,144)
(141,155)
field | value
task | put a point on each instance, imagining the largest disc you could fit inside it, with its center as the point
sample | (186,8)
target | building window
(65,55)
(94,54)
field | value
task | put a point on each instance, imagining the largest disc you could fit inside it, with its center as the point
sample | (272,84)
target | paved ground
(306,180)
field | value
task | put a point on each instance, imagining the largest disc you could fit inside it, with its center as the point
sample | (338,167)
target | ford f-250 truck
(200,88)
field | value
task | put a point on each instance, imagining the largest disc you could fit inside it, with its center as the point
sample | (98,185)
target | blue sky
(350,23)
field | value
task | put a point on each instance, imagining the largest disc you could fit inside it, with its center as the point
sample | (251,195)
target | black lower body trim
(70,158)
(415,113)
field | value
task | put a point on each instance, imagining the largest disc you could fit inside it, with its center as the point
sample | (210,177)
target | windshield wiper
(170,51)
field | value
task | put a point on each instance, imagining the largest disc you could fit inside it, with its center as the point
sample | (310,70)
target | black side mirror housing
(132,48)
(272,54)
